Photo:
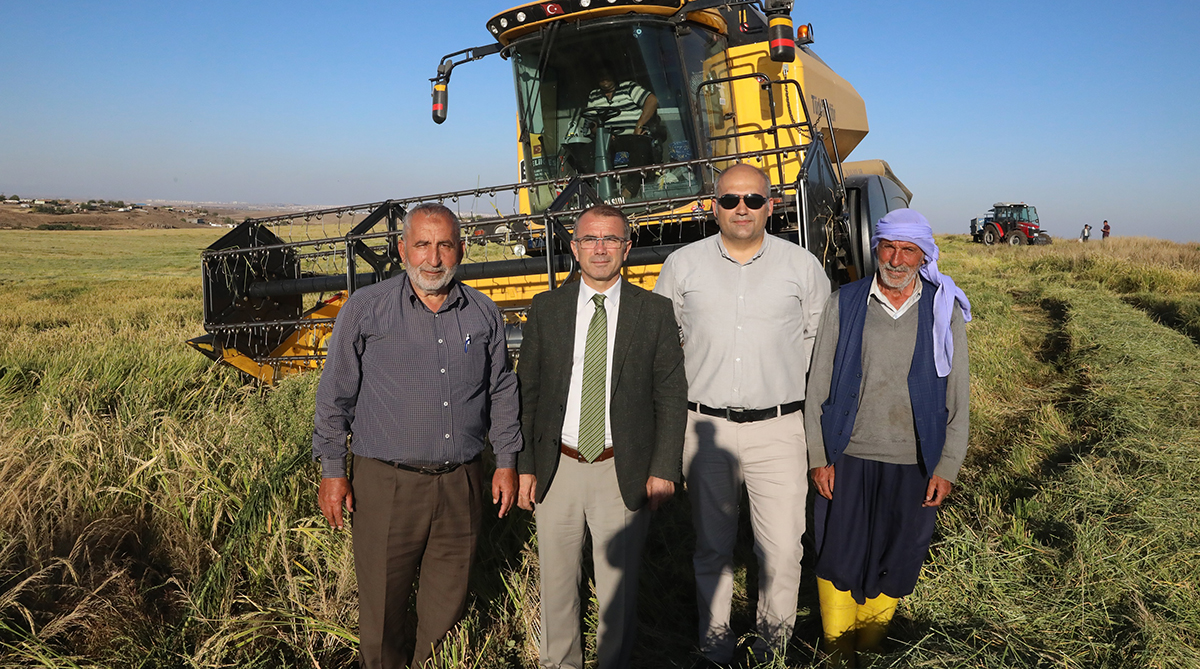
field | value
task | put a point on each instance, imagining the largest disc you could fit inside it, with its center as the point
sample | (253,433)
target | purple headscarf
(908,225)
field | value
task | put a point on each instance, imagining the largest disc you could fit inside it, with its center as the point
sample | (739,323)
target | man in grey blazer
(604,405)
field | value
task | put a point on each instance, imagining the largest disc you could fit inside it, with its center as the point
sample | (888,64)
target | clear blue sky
(1086,109)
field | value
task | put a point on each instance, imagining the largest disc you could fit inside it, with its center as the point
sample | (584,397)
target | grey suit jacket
(648,404)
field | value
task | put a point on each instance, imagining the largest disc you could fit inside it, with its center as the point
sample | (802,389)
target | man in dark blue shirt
(416,378)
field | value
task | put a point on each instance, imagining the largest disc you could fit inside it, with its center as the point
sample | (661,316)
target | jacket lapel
(563,340)
(627,318)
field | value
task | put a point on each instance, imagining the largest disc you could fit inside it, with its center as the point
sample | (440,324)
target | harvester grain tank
(711,83)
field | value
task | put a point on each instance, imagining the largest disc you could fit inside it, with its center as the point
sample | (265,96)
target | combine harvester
(732,83)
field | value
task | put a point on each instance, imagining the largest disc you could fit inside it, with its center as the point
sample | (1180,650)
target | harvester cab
(1013,223)
(636,103)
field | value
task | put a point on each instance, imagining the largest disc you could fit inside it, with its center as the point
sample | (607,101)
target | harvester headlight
(521,16)
(585,3)
(503,23)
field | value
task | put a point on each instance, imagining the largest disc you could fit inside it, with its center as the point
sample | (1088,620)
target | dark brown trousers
(404,521)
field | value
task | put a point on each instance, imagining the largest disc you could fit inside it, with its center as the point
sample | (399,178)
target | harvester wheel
(991,234)
(1014,238)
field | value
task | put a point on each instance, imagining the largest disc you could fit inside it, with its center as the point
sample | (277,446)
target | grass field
(161,514)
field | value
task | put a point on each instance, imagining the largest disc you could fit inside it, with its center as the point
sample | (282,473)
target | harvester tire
(1014,238)
(991,234)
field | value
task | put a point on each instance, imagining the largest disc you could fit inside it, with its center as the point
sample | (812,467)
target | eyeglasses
(609,242)
(752,200)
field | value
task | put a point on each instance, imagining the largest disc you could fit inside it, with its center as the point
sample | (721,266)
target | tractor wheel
(1014,238)
(991,234)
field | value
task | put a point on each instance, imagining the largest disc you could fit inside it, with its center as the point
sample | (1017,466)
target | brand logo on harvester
(553,9)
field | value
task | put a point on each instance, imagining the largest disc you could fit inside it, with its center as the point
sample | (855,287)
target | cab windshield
(599,98)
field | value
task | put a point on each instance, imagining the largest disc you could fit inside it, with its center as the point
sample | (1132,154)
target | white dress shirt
(583,318)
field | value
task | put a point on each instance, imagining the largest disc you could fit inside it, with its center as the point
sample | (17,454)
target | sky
(1087,110)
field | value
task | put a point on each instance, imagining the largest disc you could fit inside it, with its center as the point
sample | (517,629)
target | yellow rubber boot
(874,616)
(839,614)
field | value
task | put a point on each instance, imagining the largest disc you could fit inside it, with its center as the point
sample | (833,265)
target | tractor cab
(1018,214)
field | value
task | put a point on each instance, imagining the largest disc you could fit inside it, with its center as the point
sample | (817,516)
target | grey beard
(414,275)
(883,277)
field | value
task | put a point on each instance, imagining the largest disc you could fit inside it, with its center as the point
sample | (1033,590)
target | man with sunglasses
(604,403)
(748,304)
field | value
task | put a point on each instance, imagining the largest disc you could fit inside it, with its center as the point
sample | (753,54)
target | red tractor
(1014,223)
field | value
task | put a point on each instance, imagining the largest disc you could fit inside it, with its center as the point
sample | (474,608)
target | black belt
(429,471)
(747,415)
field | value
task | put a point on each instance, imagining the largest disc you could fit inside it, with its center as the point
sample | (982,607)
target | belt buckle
(735,414)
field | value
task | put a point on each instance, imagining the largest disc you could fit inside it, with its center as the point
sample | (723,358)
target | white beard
(909,276)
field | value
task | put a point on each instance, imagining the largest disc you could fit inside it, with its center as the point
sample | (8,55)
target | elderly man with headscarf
(886,429)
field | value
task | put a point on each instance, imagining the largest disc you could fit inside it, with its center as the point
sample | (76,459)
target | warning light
(804,34)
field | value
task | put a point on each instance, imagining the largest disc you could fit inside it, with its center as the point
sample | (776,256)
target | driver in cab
(623,108)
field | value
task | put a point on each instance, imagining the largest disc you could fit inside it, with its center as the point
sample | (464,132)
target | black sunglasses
(752,200)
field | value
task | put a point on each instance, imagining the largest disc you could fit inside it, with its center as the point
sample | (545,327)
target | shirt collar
(612,296)
(454,298)
(894,312)
(725,252)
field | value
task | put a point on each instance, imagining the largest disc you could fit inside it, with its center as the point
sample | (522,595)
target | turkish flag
(553,9)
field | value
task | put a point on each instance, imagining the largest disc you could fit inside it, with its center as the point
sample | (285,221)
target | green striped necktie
(591,406)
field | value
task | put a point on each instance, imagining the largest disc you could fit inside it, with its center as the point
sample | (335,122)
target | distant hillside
(66,216)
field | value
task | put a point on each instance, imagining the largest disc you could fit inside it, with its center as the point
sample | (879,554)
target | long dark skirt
(873,536)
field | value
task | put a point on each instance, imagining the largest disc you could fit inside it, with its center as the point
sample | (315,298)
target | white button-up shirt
(584,310)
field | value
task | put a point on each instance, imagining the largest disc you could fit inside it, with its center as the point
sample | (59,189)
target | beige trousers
(769,457)
(586,497)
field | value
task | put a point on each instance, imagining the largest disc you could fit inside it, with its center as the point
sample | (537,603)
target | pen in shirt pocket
(466,344)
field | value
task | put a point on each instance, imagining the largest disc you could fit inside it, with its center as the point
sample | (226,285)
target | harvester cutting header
(636,103)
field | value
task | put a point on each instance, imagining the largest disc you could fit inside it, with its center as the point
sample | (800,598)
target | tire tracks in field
(1067,390)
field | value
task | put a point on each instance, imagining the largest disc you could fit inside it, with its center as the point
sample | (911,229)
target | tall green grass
(160,513)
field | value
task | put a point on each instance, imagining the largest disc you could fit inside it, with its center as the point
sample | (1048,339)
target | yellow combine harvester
(705,84)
